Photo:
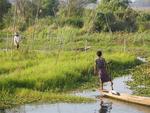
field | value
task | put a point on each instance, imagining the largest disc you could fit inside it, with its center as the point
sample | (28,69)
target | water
(100,106)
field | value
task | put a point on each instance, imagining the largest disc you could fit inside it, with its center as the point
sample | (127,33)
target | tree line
(109,16)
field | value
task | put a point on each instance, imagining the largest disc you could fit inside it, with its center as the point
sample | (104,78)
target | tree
(46,7)
(36,8)
(73,7)
(24,13)
(71,12)
(113,5)
(49,7)
(115,15)
(4,7)
(25,9)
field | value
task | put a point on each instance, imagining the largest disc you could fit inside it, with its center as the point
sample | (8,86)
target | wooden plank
(128,98)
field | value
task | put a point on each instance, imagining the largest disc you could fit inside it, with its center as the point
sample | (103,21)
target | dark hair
(99,53)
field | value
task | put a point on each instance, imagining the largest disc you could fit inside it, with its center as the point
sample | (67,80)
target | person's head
(16,34)
(99,53)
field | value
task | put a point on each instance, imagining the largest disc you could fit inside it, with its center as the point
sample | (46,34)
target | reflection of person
(105,107)
(101,69)
(16,40)
(2,111)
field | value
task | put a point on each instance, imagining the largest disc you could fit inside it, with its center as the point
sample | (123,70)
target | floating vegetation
(141,80)
(23,96)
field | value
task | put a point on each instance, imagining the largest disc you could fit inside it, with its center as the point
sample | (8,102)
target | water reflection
(105,107)
(102,105)
(2,111)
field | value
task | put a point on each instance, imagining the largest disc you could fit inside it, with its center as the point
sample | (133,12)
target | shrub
(70,21)
(144,17)
(76,22)
(99,22)
(114,15)
(143,26)
(118,26)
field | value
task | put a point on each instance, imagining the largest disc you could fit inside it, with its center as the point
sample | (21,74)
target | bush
(117,26)
(4,7)
(143,20)
(72,21)
(130,20)
(76,22)
(108,22)
(143,26)
(114,15)
(117,21)
(99,22)
(144,17)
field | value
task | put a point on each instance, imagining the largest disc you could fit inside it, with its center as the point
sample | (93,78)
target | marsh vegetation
(58,46)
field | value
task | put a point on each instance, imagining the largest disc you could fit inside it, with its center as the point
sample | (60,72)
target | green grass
(66,72)
(40,73)
(50,63)
(50,73)
(68,38)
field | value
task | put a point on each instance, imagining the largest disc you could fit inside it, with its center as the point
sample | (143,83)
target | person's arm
(95,69)
(108,64)
(105,63)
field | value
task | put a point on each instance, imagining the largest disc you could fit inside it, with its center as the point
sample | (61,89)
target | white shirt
(16,40)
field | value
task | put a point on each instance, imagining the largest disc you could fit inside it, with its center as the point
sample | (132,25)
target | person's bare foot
(112,86)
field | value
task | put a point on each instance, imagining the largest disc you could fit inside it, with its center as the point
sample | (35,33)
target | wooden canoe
(128,98)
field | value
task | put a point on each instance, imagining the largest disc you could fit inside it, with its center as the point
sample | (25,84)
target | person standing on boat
(101,69)
(16,40)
